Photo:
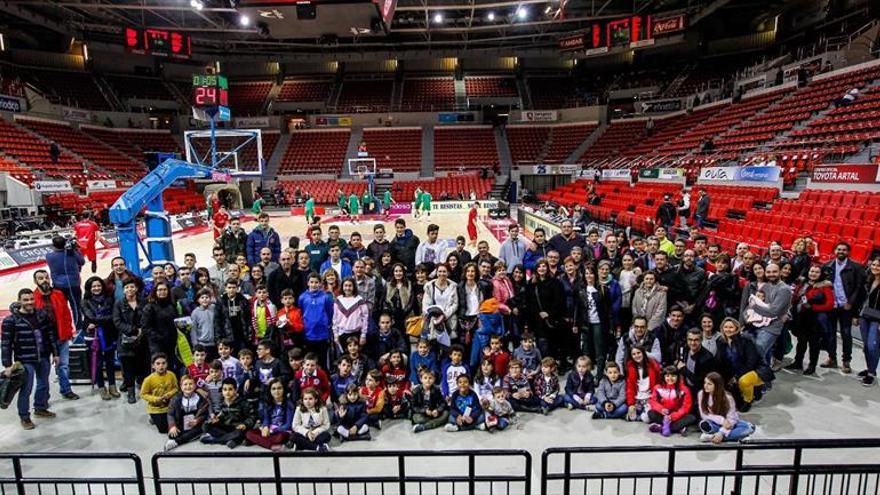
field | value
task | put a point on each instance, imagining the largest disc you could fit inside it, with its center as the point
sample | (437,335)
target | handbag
(870,314)
(414,326)
(547,321)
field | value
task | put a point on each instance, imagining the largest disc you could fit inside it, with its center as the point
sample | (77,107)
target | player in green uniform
(354,208)
(310,209)
(257,207)
(426,204)
(367,202)
(417,204)
(340,202)
(386,202)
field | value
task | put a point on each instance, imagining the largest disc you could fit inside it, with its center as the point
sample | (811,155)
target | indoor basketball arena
(400,247)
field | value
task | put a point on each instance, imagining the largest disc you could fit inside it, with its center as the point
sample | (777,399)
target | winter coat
(176,411)
(546,296)
(450,309)
(614,393)
(632,378)
(317,308)
(673,342)
(157,322)
(127,322)
(649,342)
(650,304)
(19,338)
(98,311)
(58,310)
(403,249)
(434,400)
(676,399)
(315,421)
(234,243)
(257,240)
(580,386)
(739,357)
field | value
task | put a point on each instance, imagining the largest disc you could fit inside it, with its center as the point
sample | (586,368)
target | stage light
(438,18)
(244,20)
(490,16)
(522,13)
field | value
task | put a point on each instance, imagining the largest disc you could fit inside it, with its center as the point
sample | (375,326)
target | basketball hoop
(361,171)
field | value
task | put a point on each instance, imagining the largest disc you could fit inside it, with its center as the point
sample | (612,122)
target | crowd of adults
(640,305)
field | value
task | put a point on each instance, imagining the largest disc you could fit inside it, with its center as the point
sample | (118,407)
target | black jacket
(403,249)
(127,322)
(434,401)
(157,322)
(704,363)
(702,206)
(238,312)
(747,359)
(98,310)
(19,339)
(853,277)
(375,250)
(693,282)
(673,343)
(546,296)
(278,281)
(666,213)
(234,244)
(564,246)
(673,280)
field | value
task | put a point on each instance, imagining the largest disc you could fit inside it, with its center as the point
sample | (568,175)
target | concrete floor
(828,406)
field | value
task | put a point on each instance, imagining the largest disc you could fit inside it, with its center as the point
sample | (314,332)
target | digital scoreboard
(210,96)
(158,42)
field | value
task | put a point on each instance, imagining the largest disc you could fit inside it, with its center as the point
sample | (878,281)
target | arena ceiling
(216,26)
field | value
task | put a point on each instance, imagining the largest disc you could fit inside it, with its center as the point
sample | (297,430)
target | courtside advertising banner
(50,186)
(538,116)
(740,174)
(10,104)
(616,174)
(846,174)
(459,206)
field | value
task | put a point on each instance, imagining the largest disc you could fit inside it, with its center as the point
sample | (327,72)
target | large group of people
(288,347)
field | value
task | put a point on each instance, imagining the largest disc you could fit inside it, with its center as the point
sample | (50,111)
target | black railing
(74,474)
(357,472)
(774,467)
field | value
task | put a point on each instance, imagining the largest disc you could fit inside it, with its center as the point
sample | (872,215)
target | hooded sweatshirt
(317,308)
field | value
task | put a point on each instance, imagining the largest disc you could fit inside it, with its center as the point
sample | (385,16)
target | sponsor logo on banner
(596,51)
(258,122)
(587,172)
(616,174)
(538,116)
(642,43)
(668,25)
(6,261)
(846,174)
(401,208)
(9,104)
(76,114)
(24,256)
(50,186)
(459,206)
(555,169)
(739,174)
(671,173)
(332,121)
(221,177)
(100,184)
(661,106)
(573,43)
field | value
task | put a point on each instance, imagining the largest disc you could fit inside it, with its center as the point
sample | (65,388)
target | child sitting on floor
(396,403)
(351,415)
(311,423)
(186,414)
(229,424)
(199,368)
(341,379)
(211,387)
(499,413)
(428,405)
(276,417)
(157,390)
(579,385)
(528,355)
(611,394)
(452,369)
(519,390)
(485,382)
(374,396)
(465,412)
(670,405)
(546,386)
(422,359)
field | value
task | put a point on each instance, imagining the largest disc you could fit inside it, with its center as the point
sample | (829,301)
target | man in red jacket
(54,302)
(87,235)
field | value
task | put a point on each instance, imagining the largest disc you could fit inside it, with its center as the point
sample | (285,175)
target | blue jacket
(346,269)
(338,384)
(351,254)
(64,267)
(460,402)
(416,361)
(277,417)
(355,414)
(615,295)
(19,339)
(317,310)
(258,239)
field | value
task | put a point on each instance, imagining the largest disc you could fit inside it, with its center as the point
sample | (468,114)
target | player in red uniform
(221,218)
(87,234)
(472,224)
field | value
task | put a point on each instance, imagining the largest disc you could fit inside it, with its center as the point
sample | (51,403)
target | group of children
(263,401)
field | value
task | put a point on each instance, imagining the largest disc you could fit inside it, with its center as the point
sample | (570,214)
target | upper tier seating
(315,151)
(71,88)
(396,148)
(135,142)
(487,86)
(850,125)
(365,96)
(102,155)
(546,144)
(146,88)
(428,94)
(619,135)
(526,142)
(25,147)
(465,147)
(248,98)
(676,134)
(300,91)
(550,93)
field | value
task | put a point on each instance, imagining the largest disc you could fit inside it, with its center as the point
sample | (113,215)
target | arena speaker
(306,11)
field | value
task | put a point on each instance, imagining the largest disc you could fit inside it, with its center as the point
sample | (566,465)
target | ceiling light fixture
(490,16)
(522,13)
(438,18)
(244,20)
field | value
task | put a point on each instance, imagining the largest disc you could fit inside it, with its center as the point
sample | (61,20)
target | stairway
(460,94)
(357,134)
(397,91)
(502,147)
(427,169)
(501,188)
(524,93)
(109,94)
(273,164)
(679,79)
(582,148)
(270,98)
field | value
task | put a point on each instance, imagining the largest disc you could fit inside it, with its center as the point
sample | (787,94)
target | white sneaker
(451,427)
(481,426)
(170,445)
(343,431)
(706,437)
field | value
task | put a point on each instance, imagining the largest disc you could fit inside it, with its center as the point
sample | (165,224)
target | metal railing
(821,467)
(352,472)
(71,474)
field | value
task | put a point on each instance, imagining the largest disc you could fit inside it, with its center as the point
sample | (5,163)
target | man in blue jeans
(55,304)
(847,280)
(28,337)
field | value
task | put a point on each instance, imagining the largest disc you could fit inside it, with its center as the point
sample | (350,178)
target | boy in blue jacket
(262,236)
(351,414)
(340,380)
(422,358)
(579,385)
(334,260)
(317,314)
(465,411)
(611,394)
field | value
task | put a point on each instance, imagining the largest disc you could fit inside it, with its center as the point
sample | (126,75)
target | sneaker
(846,368)
(44,413)
(569,406)
(70,396)
(114,392)
(868,381)
(481,426)
(776,365)
(418,428)
(323,448)
(597,415)
(207,438)
(123,388)
(276,448)
(706,437)
(862,373)
(290,445)
(795,366)
(759,395)
(451,427)
(131,395)
(829,363)
(655,428)
(27,424)
(364,436)
(232,444)
(545,410)
(705,428)
(105,395)
(684,432)
(343,432)
(170,445)
(746,407)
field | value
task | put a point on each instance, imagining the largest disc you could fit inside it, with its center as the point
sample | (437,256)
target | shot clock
(210,95)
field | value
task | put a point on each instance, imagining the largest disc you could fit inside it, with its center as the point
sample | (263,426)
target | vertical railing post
(528,472)
(276,467)
(139,473)
(157,478)
(16,469)
(737,476)
(795,477)
(401,473)
(670,472)
(472,461)
(566,469)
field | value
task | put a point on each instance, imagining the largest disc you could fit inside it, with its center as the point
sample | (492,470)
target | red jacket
(674,398)
(59,312)
(318,381)
(820,297)
(500,360)
(632,382)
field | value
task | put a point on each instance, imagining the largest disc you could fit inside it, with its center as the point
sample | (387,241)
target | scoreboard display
(210,90)
(158,42)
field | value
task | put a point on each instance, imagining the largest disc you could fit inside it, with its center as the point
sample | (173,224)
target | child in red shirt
(496,353)
(374,395)
(199,369)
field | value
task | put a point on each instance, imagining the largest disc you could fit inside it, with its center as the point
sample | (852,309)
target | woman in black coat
(133,349)
(158,325)
(592,320)
(721,295)
(545,302)
(741,365)
(517,305)
(97,309)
